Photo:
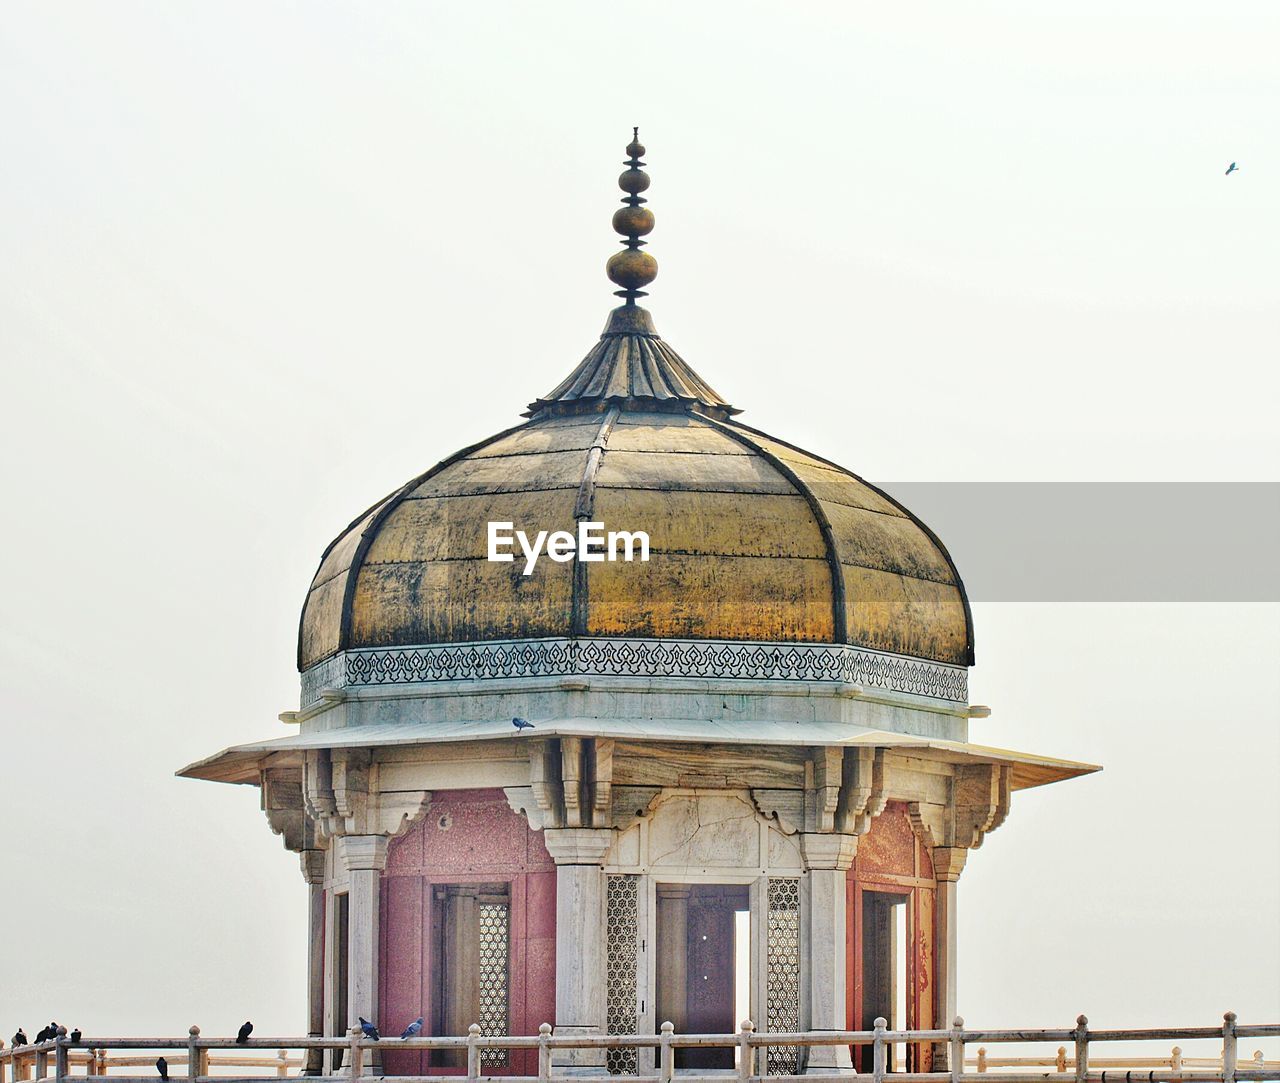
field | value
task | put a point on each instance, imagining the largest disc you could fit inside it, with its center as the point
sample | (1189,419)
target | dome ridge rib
(839,613)
(384,508)
(579,597)
(970,655)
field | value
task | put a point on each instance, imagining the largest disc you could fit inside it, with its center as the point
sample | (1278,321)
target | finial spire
(631,269)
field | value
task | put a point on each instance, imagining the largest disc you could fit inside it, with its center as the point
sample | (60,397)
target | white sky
(261,263)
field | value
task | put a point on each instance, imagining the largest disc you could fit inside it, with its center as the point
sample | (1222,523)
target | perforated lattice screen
(494,966)
(782,973)
(621,954)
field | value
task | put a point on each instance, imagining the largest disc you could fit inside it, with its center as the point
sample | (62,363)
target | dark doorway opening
(698,964)
(470,932)
(884,967)
(342,948)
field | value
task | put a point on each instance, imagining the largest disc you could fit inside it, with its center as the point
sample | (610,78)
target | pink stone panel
(467,836)
(890,845)
(402,964)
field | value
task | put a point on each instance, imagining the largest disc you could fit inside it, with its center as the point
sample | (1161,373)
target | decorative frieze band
(619,657)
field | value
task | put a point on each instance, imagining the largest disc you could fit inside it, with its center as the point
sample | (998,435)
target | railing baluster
(193,1054)
(1082,1049)
(746,1054)
(544,1053)
(667,1058)
(1229,1048)
(60,1055)
(357,1057)
(473,1052)
(956,1049)
(1061,1062)
(982,1058)
(879,1051)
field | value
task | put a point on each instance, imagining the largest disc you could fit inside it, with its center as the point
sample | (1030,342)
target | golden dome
(750,538)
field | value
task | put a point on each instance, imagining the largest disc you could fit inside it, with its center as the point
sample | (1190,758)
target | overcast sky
(262,262)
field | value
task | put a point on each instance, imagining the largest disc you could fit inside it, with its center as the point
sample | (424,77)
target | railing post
(1175,1060)
(1229,1048)
(473,1052)
(60,1055)
(746,1054)
(357,1057)
(282,1065)
(667,1055)
(193,1054)
(1062,1058)
(544,1053)
(42,1064)
(956,1049)
(982,1058)
(1082,1049)
(879,1051)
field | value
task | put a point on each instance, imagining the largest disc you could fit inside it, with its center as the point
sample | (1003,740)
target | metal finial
(632,269)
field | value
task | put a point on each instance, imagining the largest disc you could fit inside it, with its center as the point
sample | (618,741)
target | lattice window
(621,956)
(494,953)
(782,973)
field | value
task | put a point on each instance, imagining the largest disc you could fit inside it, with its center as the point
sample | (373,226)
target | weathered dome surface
(750,539)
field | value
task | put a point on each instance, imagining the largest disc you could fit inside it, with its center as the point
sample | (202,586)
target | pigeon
(370,1031)
(75,1035)
(1232,168)
(162,1066)
(20,1038)
(522,724)
(242,1035)
(413,1029)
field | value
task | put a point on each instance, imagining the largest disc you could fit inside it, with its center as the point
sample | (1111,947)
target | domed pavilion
(747,786)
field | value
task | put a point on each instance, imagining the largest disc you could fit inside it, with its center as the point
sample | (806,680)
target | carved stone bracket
(981,796)
(785,807)
(863,794)
(824,775)
(341,795)
(572,781)
(929,822)
(281,796)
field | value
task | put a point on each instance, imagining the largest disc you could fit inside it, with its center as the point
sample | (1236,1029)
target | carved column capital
(823,851)
(364,852)
(948,863)
(312,862)
(578,845)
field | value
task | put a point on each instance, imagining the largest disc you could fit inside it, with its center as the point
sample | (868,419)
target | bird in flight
(522,724)
(413,1029)
(162,1066)
(1232,168)
(370,1031)
(242,1035)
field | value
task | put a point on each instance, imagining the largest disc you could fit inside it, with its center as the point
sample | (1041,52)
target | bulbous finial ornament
(632,269)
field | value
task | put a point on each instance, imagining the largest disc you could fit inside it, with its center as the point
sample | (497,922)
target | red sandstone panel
(889,847)
(467,836)
(402,957)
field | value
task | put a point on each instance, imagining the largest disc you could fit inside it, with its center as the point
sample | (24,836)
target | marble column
(948,863)
(581,986)
(365,856)
(312,862)
(827,859)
